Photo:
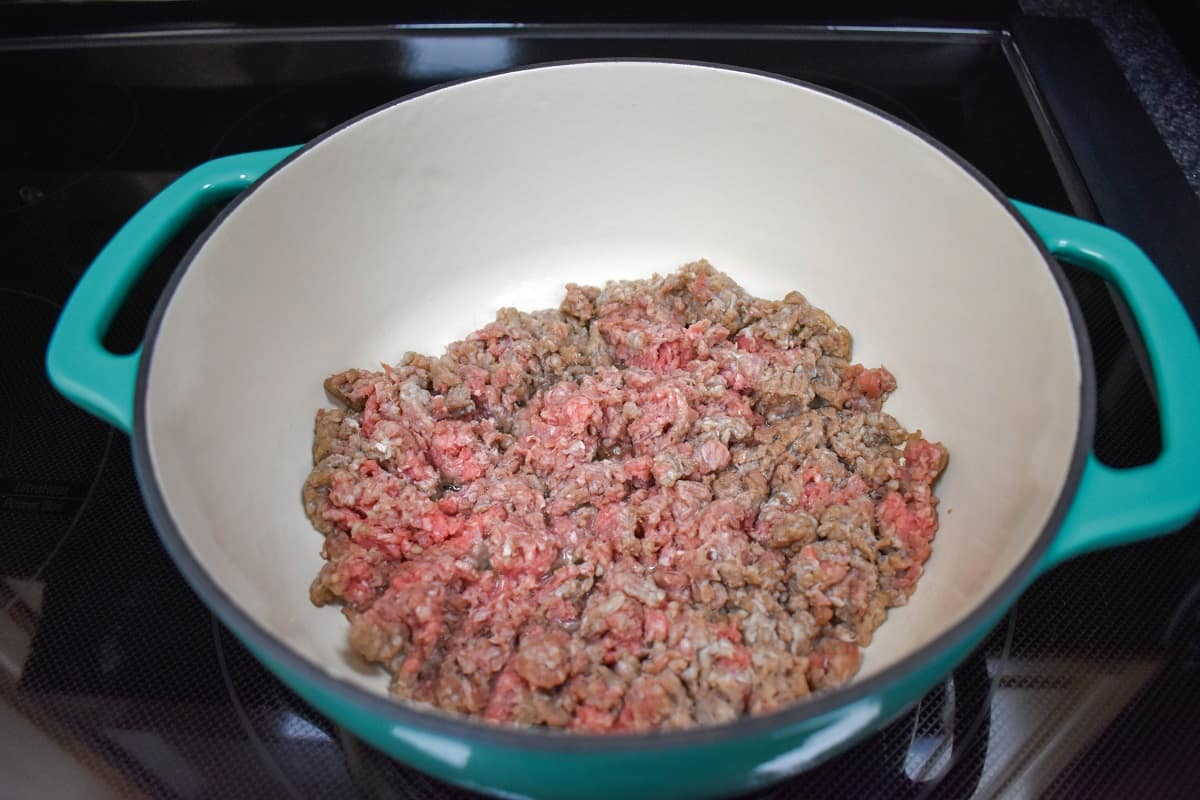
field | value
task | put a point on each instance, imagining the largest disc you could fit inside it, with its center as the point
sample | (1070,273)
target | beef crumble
(664,504)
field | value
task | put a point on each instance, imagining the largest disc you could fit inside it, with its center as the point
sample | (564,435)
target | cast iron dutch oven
(409,226)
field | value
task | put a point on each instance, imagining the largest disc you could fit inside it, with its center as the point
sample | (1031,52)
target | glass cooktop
(115,680)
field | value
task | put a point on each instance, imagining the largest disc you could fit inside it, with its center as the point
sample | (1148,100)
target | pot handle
(79,366)
(1118,506)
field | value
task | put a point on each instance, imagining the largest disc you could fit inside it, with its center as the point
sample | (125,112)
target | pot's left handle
(79,366)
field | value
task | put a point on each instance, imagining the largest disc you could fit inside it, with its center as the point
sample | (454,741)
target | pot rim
(258,638)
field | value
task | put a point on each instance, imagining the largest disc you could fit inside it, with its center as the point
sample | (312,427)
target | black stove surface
(115,680)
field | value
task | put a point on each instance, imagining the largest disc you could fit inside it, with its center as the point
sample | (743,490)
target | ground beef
(664,504)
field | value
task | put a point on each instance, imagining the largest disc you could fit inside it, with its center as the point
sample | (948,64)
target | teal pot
(409,226)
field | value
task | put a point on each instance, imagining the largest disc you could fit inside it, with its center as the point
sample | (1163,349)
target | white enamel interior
(411,227)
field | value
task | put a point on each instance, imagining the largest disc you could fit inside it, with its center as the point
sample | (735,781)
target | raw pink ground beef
(666,503)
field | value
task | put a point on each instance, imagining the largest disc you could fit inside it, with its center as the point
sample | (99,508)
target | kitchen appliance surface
(94,667)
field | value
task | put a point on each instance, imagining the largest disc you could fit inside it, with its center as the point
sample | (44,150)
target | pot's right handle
(1117,506)
(79,366)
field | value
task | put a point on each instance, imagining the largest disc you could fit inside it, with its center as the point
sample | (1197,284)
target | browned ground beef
(666,503)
